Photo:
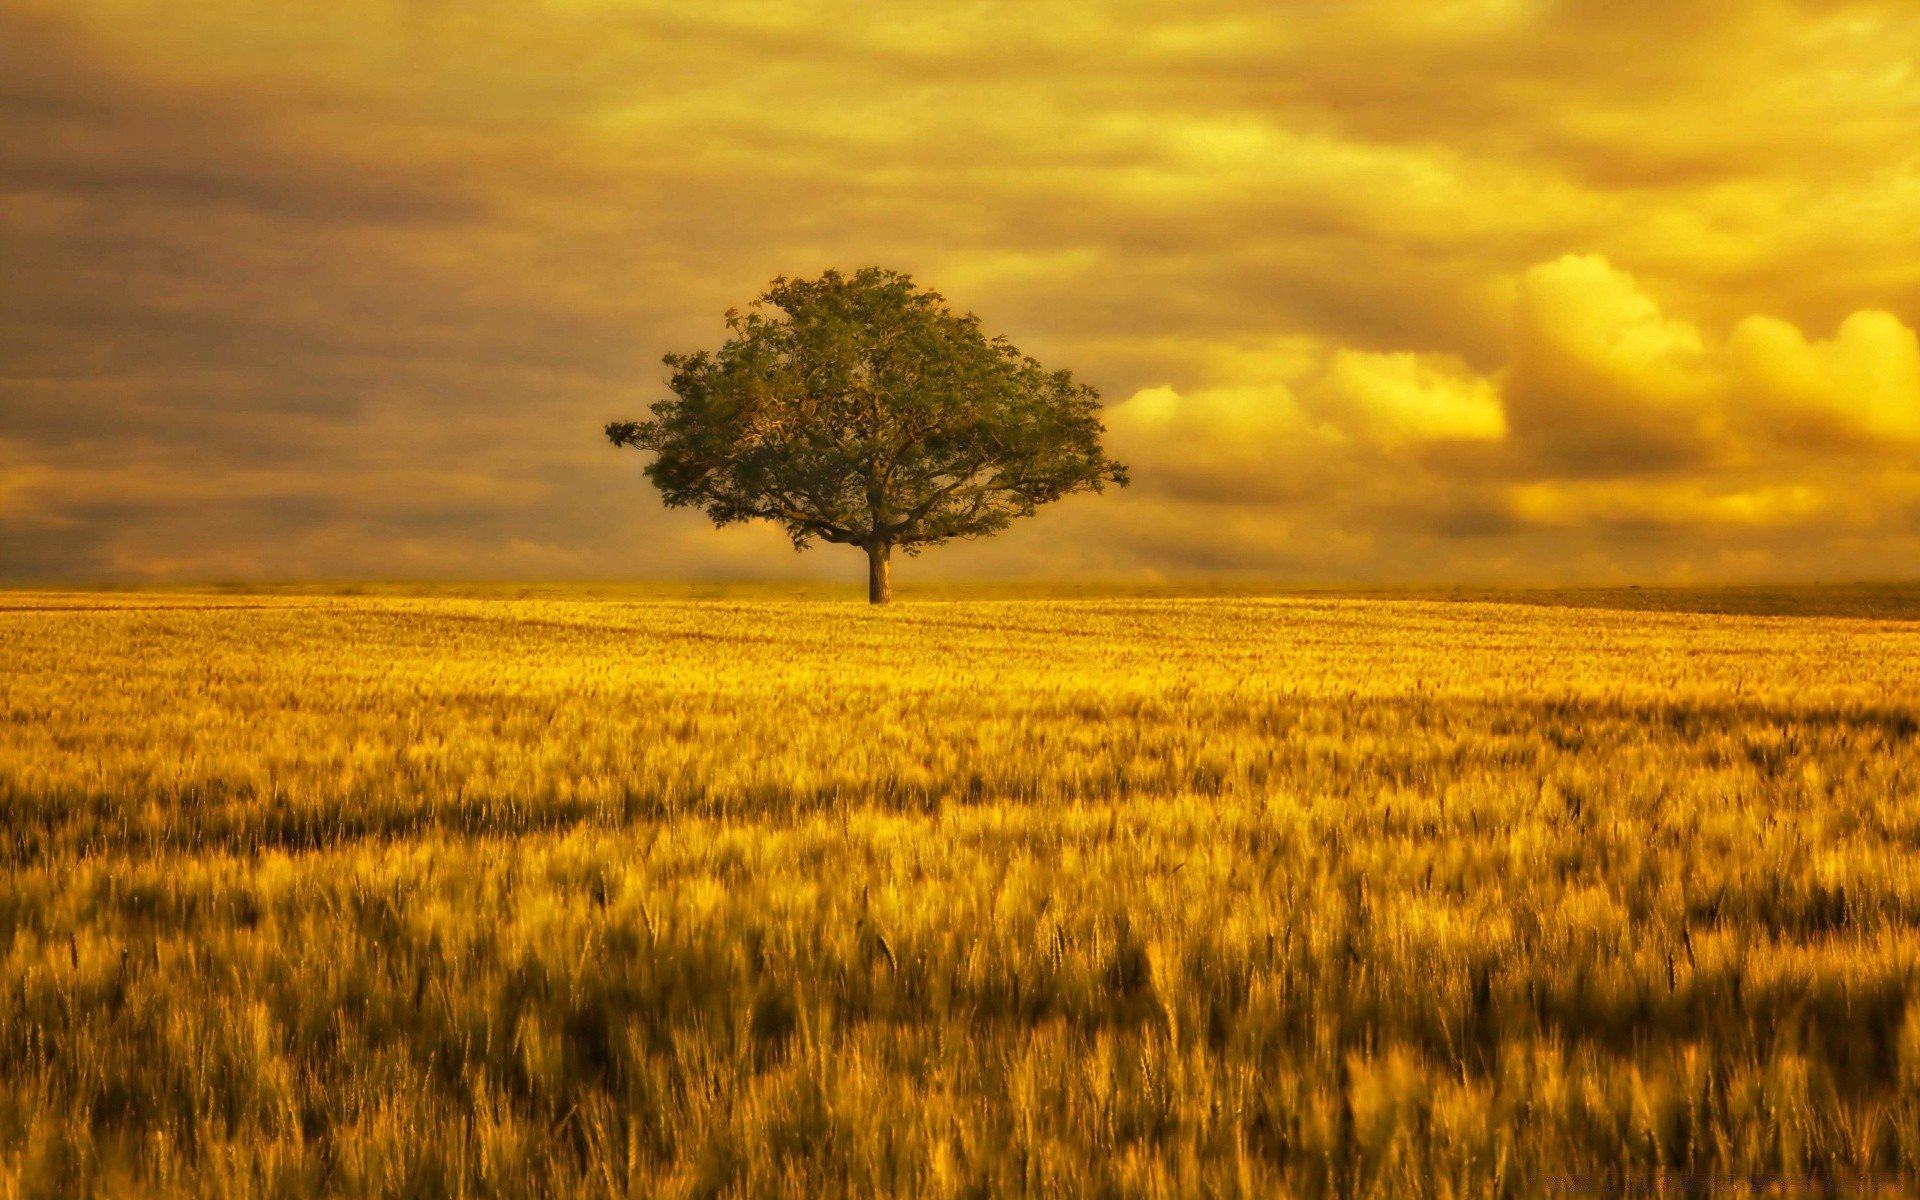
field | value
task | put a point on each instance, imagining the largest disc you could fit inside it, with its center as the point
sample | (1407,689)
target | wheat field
(741,895)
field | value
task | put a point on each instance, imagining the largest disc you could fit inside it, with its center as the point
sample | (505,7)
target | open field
(1865,599)
(1162,896)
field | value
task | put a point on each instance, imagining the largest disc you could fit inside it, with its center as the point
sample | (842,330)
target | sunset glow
(1484,290)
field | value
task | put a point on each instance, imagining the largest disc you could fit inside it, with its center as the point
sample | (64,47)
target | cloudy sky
(1464,290)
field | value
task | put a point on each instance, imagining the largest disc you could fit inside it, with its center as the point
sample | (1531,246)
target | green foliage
(861,410)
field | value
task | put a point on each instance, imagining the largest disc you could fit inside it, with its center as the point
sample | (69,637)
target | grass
(637,894)
(1864,599)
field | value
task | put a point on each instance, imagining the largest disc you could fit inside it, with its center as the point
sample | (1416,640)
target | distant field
(1885,601)
(657,892)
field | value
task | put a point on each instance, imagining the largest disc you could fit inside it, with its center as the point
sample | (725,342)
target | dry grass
(650,896)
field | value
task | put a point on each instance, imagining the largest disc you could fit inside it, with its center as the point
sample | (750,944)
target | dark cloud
(71,128)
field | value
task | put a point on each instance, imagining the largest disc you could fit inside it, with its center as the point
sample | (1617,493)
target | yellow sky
(1476,290)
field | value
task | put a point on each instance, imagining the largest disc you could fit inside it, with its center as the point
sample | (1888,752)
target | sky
(1476,291)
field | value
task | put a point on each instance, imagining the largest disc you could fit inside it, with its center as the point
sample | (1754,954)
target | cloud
(1406,399)
(1601,382)
(1458,289)
(1860,386)
(1299,415)
(1610,420)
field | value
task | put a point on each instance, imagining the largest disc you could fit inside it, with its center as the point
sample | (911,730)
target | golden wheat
(390,895)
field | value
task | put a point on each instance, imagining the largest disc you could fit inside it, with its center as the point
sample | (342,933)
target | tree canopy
(861,410)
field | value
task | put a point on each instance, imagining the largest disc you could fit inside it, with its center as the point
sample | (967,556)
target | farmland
(656,895)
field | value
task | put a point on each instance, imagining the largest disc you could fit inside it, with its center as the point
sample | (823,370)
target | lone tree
(863,411)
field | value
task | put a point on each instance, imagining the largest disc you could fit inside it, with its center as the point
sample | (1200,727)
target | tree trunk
(879,580)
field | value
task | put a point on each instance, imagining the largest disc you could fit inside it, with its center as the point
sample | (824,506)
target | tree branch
(920,511)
